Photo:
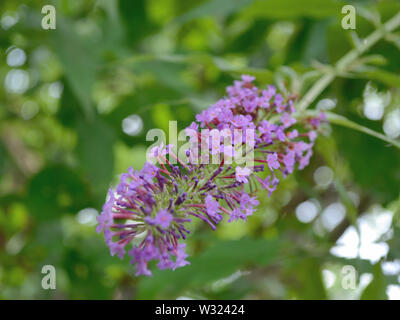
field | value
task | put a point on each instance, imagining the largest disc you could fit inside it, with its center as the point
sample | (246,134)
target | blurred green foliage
(64,97)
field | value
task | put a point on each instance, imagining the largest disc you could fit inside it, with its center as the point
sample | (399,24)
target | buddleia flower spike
(153,207)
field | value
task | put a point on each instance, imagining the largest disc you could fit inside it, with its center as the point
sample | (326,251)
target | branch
(345,62)
(344,122)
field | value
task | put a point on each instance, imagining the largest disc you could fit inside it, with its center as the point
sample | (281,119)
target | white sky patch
(323,176)
(372,226)
(333,215)
(132,125)
(354,197)
(391,267)
(15,244)
(393,292)
(56,89)
(29,109)
(8,20)
(87,216)
(16,57)
(347,244)
(307,211)
(373,251)
(365,280)
(328,277)
(17,81)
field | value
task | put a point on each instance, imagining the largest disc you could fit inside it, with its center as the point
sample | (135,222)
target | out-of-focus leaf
(373,59)
(252,38)
(343,121)
(328,149)
(263,75)
(351,210)
(214,8)
(290,9)
(2,158)
(96,155)
(315,48)
(112,27)
(222,259)
(70,108)
(79,60)
(135,17)
(163,67)
(167,73)
(309,287)
(386,77)
(376,290)
(55,191)
(374,164)
(337,44)
(298,41)
(84,274)
(142,104)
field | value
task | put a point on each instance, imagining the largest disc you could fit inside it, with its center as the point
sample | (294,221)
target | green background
(64,94)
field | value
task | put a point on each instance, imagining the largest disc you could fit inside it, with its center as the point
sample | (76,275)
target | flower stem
(346,61)
(344,122)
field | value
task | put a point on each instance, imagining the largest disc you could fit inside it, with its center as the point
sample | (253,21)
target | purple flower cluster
(151,207)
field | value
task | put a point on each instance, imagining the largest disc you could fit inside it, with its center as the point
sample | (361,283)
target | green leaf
(376,290)
(169,73)
(218,261)
(2,158)
(310,287)
(55,191)
(70,108)
(163,67)
(135,18)
(79,60)
(316,46)
(214,8)
(373,162)
(263,75)
(290,9)
(343,121)
(251,39)
(386,77)
(96,155)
